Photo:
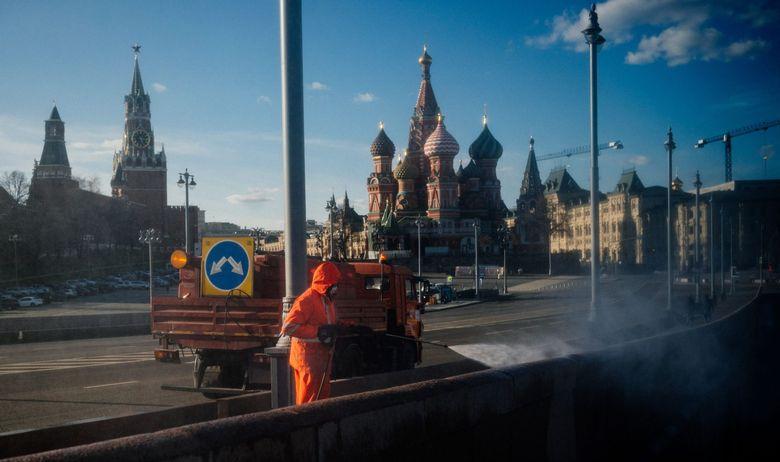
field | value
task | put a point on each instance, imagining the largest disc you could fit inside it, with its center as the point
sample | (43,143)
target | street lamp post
(669,145)
(476,258)
(331,208)
(731,256)
(722,274)
(419,224)
(149,236)
(186,181)
(712,248)
(595,40)
(87,239)
(696,257)
(504,235)
(15,239)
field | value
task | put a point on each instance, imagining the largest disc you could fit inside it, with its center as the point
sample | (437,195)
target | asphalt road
(47,384)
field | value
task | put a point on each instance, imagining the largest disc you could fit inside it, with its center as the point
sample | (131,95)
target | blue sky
(212,69)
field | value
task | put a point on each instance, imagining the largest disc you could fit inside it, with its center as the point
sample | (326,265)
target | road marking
(111,384)
(73,363)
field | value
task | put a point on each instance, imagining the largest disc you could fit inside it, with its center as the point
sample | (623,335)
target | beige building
(632,219)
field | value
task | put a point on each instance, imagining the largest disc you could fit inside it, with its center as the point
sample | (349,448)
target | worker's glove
(327,333)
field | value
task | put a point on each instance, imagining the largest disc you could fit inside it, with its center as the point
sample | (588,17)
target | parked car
(139,285)
(30,301)
(7,301)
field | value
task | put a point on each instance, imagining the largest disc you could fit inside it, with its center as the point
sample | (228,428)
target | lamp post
(149,236)
(331,207)
(731,255)
(476,258)
(697,231)
(419,224)
(712,248)
(186,181)
(669,145)
(722,274)
(595,40)
(87,239)
(15,238)
(504,234)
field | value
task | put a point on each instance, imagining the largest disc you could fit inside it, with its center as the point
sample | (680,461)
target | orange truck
(229,331)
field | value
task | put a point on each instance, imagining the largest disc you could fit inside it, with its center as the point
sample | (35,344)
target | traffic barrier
(54,328)
(708,392)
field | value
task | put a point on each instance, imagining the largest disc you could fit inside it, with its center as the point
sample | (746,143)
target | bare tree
(17,185)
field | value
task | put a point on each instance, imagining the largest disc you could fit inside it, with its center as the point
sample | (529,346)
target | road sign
(227,265)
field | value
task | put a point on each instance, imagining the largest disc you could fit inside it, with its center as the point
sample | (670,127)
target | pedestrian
(311,323)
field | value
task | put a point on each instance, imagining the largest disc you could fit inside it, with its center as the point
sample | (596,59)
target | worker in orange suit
(311,323)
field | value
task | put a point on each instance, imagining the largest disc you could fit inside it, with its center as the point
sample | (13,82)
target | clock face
(140,138)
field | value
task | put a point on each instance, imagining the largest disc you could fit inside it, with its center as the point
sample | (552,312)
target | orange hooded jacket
(309,357)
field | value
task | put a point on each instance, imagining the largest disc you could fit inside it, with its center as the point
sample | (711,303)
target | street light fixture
(476,258)
(504,234)
(669,144)
(419,222)
(149,236)
(595,40)
(15,238)
(331,207)
(186,181)
(696,256)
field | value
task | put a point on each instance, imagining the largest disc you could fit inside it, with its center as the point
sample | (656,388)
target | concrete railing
(707,392)
(53,328)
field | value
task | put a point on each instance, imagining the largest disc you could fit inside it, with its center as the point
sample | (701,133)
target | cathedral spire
(138,86)
(532,182)
(426,100)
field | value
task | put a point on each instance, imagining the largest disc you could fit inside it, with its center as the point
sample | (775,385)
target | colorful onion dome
(382,146)
(440,142)
(405,170)
(485,146)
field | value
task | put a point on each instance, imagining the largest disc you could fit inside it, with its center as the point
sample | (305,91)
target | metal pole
(419,249)
(761,258)
(16,260)
(291,37)
(697,257)
(712,250)
(151,286)
(505,246)
(731,255)
(670,145)
(186,212)
(722,274)
(476,258)
(549,253)
(594,40)
(330,234)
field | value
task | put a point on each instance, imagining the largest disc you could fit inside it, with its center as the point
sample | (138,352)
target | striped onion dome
(382,145)
(405,170)
(485,146)
(441,143)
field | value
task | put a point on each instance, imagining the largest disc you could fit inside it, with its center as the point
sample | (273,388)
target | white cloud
(262,99)
(685,31)
(318,86)
(254,195)
(364,97)
(158,87)
(638,160)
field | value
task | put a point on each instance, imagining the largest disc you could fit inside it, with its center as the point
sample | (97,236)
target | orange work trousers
(307,384)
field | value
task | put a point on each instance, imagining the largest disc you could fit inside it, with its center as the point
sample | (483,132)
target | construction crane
(580,150)
(726,139)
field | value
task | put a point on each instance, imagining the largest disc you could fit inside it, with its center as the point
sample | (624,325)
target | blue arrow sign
(227,265)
